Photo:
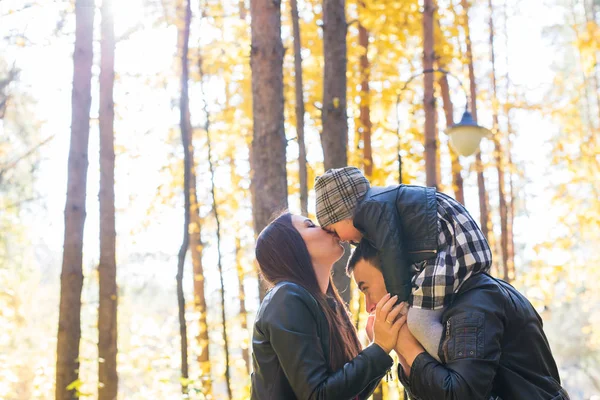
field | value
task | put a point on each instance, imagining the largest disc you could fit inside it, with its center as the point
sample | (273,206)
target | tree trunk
(219,259)
(510,167)
(188,163)
(71,278)
(242,299)
(498,154)
(365,103)
(457,180)
(267,154)
(334,137)
(196,249)
(299,109)
(431,143)
(107,269)
(483,201)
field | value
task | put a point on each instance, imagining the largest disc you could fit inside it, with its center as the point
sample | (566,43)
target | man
(493,344)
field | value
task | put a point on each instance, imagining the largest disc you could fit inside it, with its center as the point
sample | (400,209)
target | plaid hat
(338,192)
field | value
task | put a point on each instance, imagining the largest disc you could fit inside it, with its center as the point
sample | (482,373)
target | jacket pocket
(465,336)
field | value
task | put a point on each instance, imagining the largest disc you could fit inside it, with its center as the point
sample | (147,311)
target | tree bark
(334,137)
(498,155)
(510,167)
(188,163)
(71,279)
(267,154)
(196,247)
(431,142)
(483,201)
(457,180)
(299,109)
(365,103)
(107,269)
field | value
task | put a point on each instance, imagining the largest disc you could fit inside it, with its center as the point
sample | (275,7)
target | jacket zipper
(423,251)
(446,340)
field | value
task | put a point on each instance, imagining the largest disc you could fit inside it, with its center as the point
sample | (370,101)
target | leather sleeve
(471,348)
(290,325)
(380,225)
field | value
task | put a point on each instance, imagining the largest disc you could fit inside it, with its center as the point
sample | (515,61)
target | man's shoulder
(480,289)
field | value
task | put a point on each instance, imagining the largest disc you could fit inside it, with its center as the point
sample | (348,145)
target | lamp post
(464,136)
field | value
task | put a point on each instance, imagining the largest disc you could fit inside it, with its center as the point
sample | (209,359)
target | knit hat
(338,191)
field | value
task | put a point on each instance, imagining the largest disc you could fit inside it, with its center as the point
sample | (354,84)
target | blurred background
(144,144)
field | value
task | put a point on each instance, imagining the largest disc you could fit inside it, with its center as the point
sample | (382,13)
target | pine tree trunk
(365,103)
(196,250)
(107,269)
(334,137)
(267,154)
(457,180)
(219,261)
(429,94)
(483,201)
(186,140)
(498,155)
(299,109)
(510,166)
(71,279)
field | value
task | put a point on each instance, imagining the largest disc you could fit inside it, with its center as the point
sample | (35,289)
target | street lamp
(464,136)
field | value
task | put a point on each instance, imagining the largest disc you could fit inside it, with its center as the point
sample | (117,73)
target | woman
(304,344)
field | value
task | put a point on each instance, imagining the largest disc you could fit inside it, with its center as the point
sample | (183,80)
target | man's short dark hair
(364,251)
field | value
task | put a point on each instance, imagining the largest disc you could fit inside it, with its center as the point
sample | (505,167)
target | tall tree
(510,165)
(431,142)
(107,269)
(365,126)
(498,153)
(299,108)
(457,180)
(267,153)
(334,137)
(188,165)
(71,278)
(217,216)
(196,248)
(483,201)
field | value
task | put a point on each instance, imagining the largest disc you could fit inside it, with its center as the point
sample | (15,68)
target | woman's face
(324,247)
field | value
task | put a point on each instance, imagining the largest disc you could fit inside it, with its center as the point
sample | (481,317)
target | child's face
(370,282)
(346,231)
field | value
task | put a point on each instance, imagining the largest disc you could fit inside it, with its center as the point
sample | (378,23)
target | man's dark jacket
(493,347)
(401,222)
(290,347)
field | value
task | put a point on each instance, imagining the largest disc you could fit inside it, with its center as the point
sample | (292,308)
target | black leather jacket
(401,222)
(290,347)
(494,347)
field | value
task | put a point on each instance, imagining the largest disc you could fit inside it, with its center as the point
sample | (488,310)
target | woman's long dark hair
(282,255)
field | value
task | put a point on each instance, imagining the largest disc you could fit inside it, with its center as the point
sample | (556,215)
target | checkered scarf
(338,191)
(462,251)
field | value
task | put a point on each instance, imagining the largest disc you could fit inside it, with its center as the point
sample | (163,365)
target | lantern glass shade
(466,135)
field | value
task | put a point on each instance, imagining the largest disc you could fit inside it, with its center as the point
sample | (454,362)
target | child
(427,242)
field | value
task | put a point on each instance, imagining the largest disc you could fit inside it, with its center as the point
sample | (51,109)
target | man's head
(365,267)
(338,193)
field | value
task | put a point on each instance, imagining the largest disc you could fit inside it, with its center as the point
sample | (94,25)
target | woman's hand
(387,324)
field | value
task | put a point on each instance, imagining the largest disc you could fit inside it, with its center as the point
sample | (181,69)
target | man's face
(346,231)
(370,282)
